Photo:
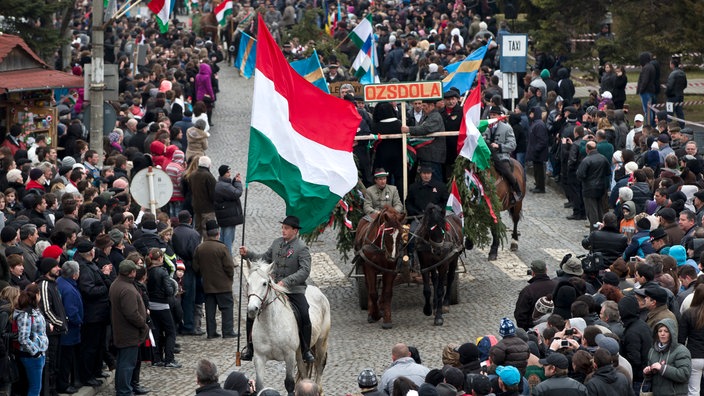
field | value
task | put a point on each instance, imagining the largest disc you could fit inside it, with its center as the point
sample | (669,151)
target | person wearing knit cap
(36,180)
(510,350)
(469,358)
(543,308)
(539,285)
(52,251)
(150,239)
(640,241)
(228,208)
(53,310)
(238,382)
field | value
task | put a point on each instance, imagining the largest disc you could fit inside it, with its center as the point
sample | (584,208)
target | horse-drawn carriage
(381,256)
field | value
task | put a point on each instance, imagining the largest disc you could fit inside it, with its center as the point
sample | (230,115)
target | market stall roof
(22,70)
(36,79)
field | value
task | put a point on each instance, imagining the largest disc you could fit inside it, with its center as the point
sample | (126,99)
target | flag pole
(238,361)
(404,152)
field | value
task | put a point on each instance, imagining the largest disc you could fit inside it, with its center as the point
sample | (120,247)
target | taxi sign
(403,91)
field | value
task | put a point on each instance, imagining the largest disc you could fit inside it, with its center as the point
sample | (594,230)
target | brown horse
(209,27)
(378,246)
(439,242)
(504,192)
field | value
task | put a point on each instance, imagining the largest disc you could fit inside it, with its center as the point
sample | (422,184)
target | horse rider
(291,267)
(425,191)
(381,194)
(502,142)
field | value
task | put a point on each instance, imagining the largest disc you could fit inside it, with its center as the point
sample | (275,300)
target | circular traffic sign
(160,185)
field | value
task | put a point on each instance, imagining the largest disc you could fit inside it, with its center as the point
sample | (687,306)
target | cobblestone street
(487,291)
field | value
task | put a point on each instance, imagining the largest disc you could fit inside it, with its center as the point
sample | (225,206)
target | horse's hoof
(438,322)
(387,326)
(427,310)
(445,309)
(514,246)
(371,319)
(493,257)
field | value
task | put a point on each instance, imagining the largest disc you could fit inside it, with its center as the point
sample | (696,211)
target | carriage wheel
(362,291)
(454,293)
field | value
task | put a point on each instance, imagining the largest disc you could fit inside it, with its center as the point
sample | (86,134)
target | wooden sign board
(403,91)
(335,87)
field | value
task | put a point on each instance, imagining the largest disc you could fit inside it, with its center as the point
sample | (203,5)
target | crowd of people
(82,263)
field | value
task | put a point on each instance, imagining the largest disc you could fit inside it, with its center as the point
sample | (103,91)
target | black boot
(248,351)
(305,345)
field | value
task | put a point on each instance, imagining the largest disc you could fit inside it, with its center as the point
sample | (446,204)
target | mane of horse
(433,215)
(392,215)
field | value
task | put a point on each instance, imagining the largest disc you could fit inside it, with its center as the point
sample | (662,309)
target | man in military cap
(291,267)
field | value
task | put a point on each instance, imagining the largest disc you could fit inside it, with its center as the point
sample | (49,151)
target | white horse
(275,330)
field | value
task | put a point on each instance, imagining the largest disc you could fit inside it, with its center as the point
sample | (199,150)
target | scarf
(660,347)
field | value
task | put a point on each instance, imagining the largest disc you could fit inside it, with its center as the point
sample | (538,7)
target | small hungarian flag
(454,203)
(291,149)
(162,9)
(222,10)
(470,143)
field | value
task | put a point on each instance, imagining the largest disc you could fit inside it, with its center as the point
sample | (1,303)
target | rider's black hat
(292,221)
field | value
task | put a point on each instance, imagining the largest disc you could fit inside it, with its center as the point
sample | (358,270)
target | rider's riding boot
(516,191)
(305,345)
(248,352)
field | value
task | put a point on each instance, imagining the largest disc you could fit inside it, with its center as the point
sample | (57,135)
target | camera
(634,259)
(569,332)
(529,272)
(564,344)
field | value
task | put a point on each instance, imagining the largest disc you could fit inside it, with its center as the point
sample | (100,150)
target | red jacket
(12,146)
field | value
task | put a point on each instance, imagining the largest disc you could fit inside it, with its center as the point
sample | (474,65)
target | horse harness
(380,248)
(265,300)
(442,248)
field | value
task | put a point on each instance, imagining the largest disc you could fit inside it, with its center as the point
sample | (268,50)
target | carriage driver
(381,194)
(502,142)
(291,267)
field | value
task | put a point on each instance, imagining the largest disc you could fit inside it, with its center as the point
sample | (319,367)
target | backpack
(14,334)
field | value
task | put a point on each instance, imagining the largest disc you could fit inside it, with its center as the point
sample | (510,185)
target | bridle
(265,300)
(381,232)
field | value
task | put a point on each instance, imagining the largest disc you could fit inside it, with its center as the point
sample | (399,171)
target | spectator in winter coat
(73,305)
(511,350)
(669,362)
(197,139)
(606,380)
(228,208)
(636,340)
(647,85)
(537,150)
(175,169)
(540,285)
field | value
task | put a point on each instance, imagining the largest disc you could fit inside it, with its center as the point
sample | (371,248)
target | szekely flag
(162,9)
(291,149)
(222,10)
(470,143)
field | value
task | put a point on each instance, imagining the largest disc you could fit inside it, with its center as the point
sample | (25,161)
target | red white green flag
(291,147)
(162,9)
(470,143)
(454,203)
(222,10)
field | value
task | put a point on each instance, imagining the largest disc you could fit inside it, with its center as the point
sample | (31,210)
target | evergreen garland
(477,217)
(345,236)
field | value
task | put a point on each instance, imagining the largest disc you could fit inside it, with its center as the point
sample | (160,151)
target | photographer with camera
(606,240)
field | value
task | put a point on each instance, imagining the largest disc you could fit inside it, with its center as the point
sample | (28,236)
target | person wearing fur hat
(53,310)
(539,285)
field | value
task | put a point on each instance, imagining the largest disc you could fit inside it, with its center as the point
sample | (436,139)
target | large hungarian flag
(162,9)
(222,10)
(470,143)
(300,142)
